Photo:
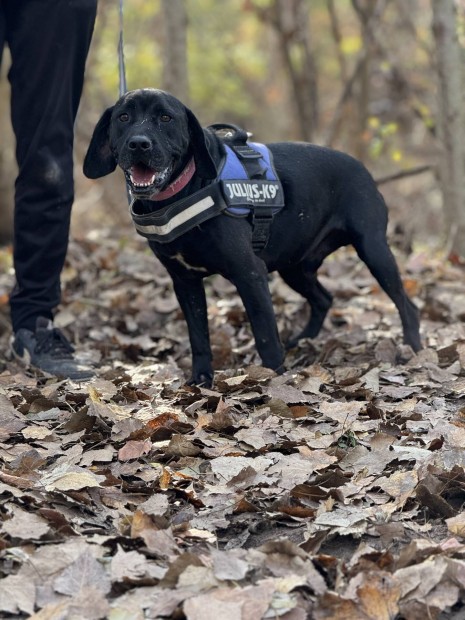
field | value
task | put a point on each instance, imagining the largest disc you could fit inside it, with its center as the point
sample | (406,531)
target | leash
(122,77)
(121,64)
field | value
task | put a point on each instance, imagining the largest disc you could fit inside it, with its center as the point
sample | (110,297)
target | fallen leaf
(84,572)
(456,525)
(25,525)
(69,478)
(134,449)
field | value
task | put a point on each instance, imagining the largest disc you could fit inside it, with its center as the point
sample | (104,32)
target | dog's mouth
(144,180)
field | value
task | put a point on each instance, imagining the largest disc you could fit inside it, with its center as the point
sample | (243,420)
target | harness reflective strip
(177,220)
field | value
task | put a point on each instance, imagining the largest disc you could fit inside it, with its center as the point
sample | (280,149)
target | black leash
(122,75)
(121,64)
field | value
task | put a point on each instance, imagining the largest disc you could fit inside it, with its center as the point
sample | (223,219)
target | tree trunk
(175,48)
(451,121)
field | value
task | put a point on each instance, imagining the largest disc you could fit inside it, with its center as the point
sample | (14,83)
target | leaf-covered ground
(334,491)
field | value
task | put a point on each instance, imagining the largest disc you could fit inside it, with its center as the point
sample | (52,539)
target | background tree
(451,120)
(174,45)
(290,20)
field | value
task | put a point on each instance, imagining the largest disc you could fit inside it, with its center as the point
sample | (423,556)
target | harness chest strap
(168,223)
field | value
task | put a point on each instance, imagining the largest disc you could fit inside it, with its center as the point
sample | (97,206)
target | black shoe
(47,349)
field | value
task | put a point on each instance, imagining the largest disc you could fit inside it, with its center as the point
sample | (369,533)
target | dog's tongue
(142,174)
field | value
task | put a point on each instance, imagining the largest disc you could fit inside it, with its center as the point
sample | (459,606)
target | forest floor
(335,491)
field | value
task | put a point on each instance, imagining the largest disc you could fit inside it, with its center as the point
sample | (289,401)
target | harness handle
(231,134)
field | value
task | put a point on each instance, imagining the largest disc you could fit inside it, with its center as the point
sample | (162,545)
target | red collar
(178,184)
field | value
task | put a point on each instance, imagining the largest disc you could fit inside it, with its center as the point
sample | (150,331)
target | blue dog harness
(247,185)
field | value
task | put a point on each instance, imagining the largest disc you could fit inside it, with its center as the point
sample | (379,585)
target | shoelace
(52,340)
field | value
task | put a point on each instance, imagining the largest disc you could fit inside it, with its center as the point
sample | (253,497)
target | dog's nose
(141,143)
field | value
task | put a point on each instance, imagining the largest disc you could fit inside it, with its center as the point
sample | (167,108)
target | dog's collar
(178,184)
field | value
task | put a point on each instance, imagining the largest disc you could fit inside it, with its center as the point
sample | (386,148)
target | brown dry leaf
(10,421)
(161,543)
(99,409)
(295,469)
(17,595)
(286,393)
(197,579)
(17,481)
(314,377)
(378,595)
(36,432)
(249,603)
(58,521)
(69,478)
(165,479)
(229,565)
(371,380)
(228,467)
(84,573)
(360,459)
(400,485)
(180,445)
(134,449)
(279,408)
(141,521)
(342,412)
(159,425)
(434,502)
(386,351)
(157,505)
(162,604)
(371,596)
(25,525)
(333,606)
(90,604)
(256,438)
(345,521)
(419,584)
(133,566)
(456,525)
(102,455)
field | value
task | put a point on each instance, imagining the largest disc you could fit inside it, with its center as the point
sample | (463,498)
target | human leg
(49,41)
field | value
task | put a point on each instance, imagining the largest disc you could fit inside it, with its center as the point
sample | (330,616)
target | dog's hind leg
(376,254)
(304,281)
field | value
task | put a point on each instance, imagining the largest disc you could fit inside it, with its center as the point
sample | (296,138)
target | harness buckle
(262,219)
(244,151)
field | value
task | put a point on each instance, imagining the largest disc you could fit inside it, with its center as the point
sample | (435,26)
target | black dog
(331,200)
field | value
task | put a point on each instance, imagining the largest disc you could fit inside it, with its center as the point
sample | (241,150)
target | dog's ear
(204,164)
(99,160)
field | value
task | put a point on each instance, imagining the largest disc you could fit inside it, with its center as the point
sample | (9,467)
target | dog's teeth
(146,184)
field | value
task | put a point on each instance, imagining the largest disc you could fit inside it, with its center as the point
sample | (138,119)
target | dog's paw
(202,379)
(291,344)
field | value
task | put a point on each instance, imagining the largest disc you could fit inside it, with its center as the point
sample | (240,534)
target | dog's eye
(124,117)
(165,118)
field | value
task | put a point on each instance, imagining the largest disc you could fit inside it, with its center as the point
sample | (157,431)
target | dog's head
(151,135)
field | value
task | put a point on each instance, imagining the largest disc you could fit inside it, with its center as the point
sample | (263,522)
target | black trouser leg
(49,41)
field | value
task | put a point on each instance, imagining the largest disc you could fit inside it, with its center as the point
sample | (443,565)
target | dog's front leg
(252,286)
(191,296)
